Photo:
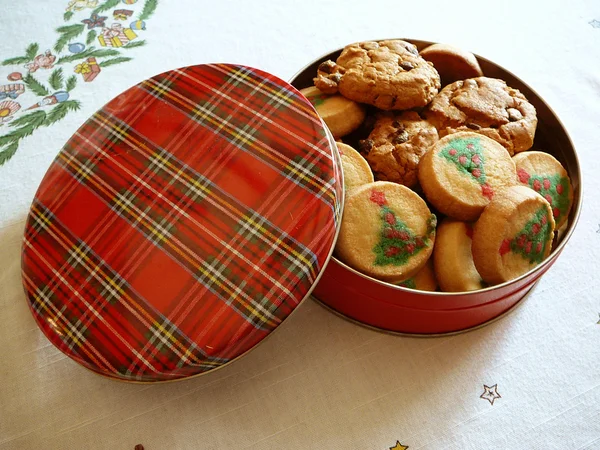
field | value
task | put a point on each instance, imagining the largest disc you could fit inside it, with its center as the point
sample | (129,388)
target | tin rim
(575,209)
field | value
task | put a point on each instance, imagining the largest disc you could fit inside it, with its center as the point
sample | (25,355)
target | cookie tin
(401,310)
(182,223)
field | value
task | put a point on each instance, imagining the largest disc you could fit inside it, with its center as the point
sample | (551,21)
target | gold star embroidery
(490,393)
(399,446)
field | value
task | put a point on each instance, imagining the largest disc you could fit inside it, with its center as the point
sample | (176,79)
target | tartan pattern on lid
(182,223)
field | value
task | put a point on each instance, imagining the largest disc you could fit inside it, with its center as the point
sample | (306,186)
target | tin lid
(182,223)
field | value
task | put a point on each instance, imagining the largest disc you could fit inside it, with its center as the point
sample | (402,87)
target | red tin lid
(182,223)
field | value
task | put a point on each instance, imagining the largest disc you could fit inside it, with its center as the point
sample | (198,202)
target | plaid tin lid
(182,223)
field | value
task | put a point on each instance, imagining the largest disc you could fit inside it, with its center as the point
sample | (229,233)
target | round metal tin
(182,223)
(401,310)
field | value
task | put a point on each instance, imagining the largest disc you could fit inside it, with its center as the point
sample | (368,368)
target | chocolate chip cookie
(486,106)
(396,144)
(386,74)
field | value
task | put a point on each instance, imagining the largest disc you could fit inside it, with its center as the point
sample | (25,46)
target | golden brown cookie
(513,235)
(386,74)
(452,257)
(356,169)
(341,115)
(396,144)
(487,106)
(452,63)
(544,174)
(463,171)
(387,231)
(424,280)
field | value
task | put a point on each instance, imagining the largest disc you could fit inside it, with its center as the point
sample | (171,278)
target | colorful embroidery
(397,242)
(50,81)
(531,242)
(554,188)
(467,156)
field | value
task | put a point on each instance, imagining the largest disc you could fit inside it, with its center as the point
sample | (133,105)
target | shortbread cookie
(487,106)
(513,235)
(387,231)
(342,116)
(452,257)
(452,63)
(424,280)
(396,144)
(544,174)
(462,172)
(356,169)
(387,74)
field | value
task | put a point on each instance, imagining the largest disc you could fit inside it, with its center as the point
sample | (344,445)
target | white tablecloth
(320,382)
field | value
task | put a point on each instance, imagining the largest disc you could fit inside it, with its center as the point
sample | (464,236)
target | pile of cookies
(429,137)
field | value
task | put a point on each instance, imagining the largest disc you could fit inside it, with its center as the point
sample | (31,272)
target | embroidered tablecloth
(528,381)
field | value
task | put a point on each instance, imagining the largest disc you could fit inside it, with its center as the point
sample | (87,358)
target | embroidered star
(595,23)
(94,21)
(490,393)
(399,446)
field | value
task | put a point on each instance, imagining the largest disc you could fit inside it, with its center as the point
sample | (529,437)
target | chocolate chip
(473,126)
(407,65)
(514,114)
(365,145)
(327,66)
(139,447)
(336,77)
(396,124)
(401,137)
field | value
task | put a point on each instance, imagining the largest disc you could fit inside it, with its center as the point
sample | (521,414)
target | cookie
(544,174)
(342,116)
(463,171)
(452,63)
(513,235)
(387,74)
(452,257)
(356,169)
(396,145)
(424,280)
(387,231)
(487,106)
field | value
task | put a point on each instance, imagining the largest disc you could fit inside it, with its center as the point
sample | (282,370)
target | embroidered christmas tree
(554,188)
(531,242)
(397,243)
(467,156)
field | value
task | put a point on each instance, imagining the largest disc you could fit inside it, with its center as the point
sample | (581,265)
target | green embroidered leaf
(148,10)
(8,152)
(35,86)
(32,51)
(56,79)
(71,83)
(15,60)
(100,53)
(134,44)
(108,4)
(110,62)
(60,111)
(67,16)
(67,33)
(35,118)
(91,36)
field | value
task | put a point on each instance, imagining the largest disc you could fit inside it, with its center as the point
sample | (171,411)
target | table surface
(320,382)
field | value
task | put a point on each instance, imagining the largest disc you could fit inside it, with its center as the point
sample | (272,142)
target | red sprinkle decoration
(463,160)
(378,197)
(403,235)
(470,146)
(419,242)
(536,228)
(546,183)
(391,251)
(452,151)
(538,247)
(548,198)
(523,176)
(391,234)
(537,185)
(505,247)
(528,247)
(410,248)
(476,159)
(544,220)
(476,173)
(521,241)
(559,189)
(555,212)
(389,218)
(487,191)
